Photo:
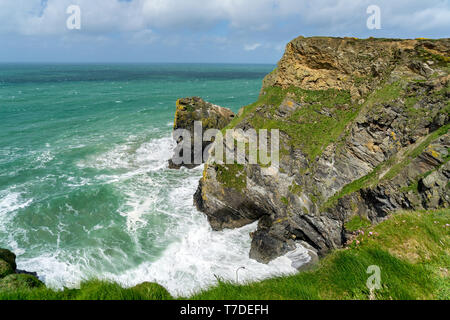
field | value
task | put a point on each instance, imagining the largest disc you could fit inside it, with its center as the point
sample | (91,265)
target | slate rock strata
(364,132)
(190,110)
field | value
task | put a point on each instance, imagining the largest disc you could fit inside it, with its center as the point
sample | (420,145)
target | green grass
(273,97)
(407,271)
(309,128)
(352,187)
(232,176)
(91,290)
(357,223)
(411,249)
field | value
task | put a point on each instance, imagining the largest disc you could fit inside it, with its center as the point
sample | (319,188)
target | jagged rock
(364,131)
(349,64)
(190,110)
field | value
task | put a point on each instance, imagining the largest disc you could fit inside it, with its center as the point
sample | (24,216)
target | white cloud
(252,47)
(35,17)
(146,36)
(31,17)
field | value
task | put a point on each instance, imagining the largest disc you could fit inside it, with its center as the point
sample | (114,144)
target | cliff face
(190,110)
(354,65)
(13,279)
(364,132)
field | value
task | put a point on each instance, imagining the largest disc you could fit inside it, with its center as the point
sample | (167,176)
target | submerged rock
(363,131)
(188,111)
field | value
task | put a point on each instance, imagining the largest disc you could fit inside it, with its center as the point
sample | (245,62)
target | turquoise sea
(85,191)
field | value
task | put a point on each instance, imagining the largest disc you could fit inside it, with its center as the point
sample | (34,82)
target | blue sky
(229,31)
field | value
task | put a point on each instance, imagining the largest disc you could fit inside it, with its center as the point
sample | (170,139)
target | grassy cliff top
(410,248)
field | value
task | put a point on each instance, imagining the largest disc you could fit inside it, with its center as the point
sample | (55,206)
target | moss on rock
(5,269)
(9,257)
(188,112)
(232,176)
(19,282)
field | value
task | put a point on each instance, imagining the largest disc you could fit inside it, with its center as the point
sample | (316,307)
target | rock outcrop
(13,279)
(363,132)
(190,110)
(358,66)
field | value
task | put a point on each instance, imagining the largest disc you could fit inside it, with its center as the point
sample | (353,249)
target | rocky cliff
(364,132)
(188,111)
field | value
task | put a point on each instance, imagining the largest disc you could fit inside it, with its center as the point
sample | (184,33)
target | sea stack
(189,111)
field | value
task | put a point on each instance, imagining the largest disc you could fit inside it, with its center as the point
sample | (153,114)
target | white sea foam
(10,203)
(54,272)
(155,154)
(116,158)
(194,254)
(152,155)
(43,158)
(199,255)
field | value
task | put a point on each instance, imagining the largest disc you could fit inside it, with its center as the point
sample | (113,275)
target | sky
(199,31)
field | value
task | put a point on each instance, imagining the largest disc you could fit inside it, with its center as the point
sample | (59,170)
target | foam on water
(85,189)
(198,254)
(9,203)
(54,272)
(193,255)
